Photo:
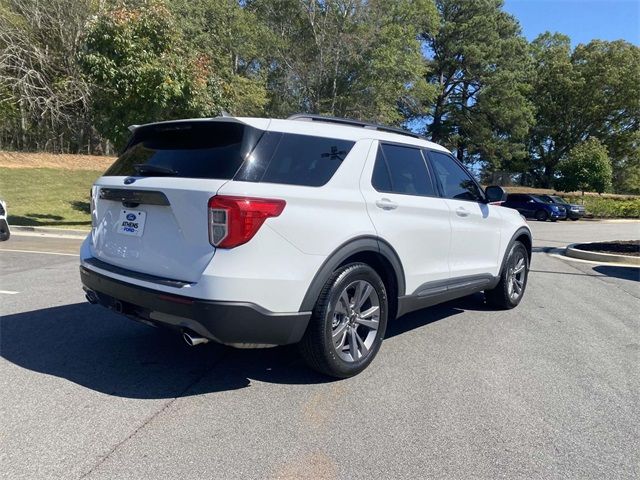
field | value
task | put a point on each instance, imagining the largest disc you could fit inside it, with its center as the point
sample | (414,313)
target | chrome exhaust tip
(91,297)
(192,339)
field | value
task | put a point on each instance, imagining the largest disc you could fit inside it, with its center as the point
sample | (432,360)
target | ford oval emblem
(131,217)
(129,180)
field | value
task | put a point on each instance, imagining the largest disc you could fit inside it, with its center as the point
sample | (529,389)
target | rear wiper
(153,170)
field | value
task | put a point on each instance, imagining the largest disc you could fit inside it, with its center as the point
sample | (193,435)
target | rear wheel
(348,322)
(542,216)
(513,279)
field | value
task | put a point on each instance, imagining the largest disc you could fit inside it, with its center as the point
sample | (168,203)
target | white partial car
(310,230)
(5,231)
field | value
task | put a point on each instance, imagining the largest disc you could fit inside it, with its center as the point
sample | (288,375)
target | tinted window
(294,159)
(401,170)
(514,197)
(454,181)
(187,149)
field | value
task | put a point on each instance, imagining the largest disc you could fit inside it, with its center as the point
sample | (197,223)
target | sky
(581,20)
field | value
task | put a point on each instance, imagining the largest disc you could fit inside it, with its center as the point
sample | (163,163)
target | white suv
(310,230)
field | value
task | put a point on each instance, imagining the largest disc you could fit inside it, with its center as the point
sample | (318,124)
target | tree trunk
(436,126)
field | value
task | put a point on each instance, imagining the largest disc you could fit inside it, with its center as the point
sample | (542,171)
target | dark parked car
(574,211)
(533,206)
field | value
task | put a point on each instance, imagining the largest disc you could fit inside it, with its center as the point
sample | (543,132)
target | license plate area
(131,222)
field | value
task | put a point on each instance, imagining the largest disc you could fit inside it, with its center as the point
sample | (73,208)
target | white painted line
(40,252)
(48,235)
(8,292)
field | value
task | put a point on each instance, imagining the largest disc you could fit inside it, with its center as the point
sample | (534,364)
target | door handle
(462,212)
(386,204)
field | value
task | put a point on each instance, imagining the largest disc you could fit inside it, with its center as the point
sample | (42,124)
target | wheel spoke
(363,348)
(369,312)
(340,329)
(343,301)
(353,344)
(519,266)
(341,341)
(362,293)
(371,324)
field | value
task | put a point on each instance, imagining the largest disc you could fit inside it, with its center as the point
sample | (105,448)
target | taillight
(235,220)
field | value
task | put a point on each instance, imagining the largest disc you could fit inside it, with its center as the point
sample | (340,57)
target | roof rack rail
(353,123)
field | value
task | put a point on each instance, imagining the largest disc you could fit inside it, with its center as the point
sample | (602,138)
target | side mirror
(495,193)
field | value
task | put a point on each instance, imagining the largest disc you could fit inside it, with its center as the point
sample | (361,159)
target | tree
(351,58)
(587,167)
(235,42)
(44,98)
(478,64)
(142,72)
(589,92)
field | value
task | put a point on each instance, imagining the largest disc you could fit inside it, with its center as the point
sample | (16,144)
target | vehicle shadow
(424,317)
(105,352)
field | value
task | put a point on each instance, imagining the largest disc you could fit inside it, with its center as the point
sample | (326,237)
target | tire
(333,317)
(507,295)
(5,233)
(575,219)
(542,216)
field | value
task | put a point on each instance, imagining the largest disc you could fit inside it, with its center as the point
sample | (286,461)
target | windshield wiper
(153,170)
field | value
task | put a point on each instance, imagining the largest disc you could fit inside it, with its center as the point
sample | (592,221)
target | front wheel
(542,216)
(348,322)
(513,279)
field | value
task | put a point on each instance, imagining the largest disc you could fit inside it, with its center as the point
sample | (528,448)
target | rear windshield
(187,149)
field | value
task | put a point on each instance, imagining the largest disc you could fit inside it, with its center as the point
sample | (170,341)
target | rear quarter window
(294,159)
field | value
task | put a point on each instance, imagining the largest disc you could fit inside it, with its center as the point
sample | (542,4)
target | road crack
(150,419)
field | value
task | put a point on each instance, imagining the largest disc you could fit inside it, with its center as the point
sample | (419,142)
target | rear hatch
(149,211)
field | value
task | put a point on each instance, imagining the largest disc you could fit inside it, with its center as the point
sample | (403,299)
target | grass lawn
(47,197)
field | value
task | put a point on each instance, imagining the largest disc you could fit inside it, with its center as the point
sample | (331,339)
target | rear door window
(403,170)
(295,159)
(204,149)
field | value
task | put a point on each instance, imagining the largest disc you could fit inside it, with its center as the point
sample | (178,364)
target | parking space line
(39,251)
(8,292)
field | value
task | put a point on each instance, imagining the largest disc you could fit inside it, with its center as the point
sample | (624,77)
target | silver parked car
(5,233)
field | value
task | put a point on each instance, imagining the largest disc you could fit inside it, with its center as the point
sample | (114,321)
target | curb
(610,220)
(58,232)
(573,252)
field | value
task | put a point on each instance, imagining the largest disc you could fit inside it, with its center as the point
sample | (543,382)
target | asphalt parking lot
(548,390)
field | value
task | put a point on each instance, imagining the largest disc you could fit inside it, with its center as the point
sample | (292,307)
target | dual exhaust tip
(190,337)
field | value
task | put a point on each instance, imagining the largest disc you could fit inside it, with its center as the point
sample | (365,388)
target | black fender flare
(344,251)
(521,231)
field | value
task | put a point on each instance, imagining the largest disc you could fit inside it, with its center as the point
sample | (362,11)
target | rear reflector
(171,298)
(234,221)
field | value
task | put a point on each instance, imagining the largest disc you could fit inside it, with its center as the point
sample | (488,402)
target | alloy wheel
(516,275)
(355,320)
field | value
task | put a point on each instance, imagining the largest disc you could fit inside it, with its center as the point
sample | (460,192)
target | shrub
(608,207)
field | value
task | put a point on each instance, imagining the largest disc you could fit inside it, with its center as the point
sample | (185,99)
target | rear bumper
(224,322)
